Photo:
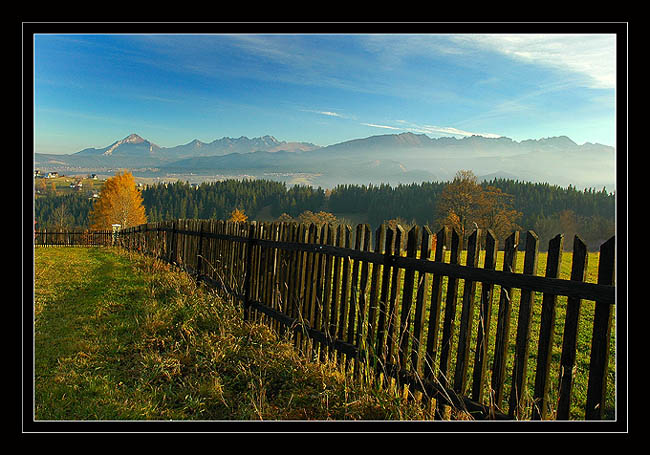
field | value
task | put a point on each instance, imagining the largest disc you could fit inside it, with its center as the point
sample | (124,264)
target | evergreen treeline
(415,202)
(62,211)
(541,200)
(547,209)
(218,199)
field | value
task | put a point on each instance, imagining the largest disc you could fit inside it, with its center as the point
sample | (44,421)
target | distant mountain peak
(132,139)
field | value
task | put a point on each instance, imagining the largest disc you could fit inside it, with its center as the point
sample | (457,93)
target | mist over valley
(392,159)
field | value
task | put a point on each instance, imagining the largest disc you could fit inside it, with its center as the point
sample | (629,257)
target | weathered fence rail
(73,238)
(405,316)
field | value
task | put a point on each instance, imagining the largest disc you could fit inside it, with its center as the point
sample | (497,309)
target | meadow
(122,336)
(585,327)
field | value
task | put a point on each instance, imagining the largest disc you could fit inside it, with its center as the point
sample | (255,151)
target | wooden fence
(73,238)
(416,318)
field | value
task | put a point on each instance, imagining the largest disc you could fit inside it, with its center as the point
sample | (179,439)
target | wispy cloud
(382,126)
(159,99)
(455,131)
(328,113)
(593,55)
(431,129)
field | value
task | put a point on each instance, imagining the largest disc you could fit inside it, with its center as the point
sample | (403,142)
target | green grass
(119,336)
(581,370)
(580,375)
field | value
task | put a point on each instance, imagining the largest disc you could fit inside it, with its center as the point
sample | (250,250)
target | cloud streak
(328,113)
(432,129)
(382,126)
(593,56)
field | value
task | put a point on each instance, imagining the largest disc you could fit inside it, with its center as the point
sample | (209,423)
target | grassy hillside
(119,336)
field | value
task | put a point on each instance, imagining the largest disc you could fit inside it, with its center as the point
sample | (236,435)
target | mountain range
(390,158)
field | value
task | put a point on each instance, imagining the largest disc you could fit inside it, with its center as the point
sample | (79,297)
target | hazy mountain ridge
(132,145)
(227,145)
(390,158)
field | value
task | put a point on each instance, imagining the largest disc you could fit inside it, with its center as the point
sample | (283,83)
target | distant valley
(392,158)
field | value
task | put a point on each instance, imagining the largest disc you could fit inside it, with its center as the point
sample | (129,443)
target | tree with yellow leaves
(238,216)
(120,202)
(460,202)
(320,218)
(465,205)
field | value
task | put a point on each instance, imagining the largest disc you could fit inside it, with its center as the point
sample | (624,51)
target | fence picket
(448,324)
(519,376)
(467,317)
(433,324)
(362,300)
(373,309)
(300,285)
(336,292)
(317,299)
(418,318)
(547,325)
(407,300)
(503,324)
(569,339)
(393,302)
(381,346)
(327,294)
(345,290)
(597,384)
(354,290)
(484,321)
(366,304)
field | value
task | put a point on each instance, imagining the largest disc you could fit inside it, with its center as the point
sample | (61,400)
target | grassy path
(122,337)
(86,308)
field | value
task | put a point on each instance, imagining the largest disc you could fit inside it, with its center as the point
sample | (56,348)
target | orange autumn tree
(465,205)
(120,202)
(238,216)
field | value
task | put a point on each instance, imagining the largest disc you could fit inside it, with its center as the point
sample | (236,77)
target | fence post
(547,324)
(435,309)
(407,301)
(503,324)
(363,306)
(467,316)
(174,243)
(519,376)
(485,317)
(373,308)
(600,339)
(422,286)
(570,331)
(448,322)
(248,270)
(199,253)
(116,230)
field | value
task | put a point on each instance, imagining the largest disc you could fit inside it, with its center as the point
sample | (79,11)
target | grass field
(62,184)
(583,349)
(585,327)
(122,337)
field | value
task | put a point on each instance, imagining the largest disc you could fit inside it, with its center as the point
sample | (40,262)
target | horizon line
(449,136)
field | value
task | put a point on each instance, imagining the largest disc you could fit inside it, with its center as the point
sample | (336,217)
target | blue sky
(91,90)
